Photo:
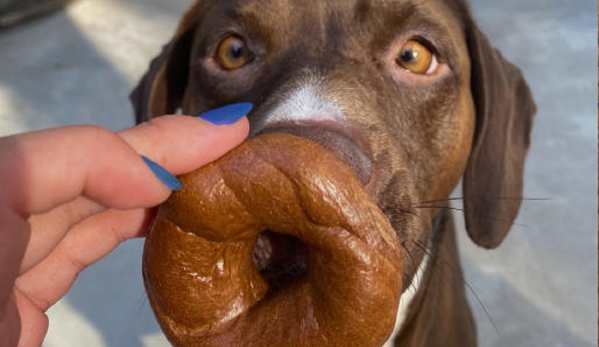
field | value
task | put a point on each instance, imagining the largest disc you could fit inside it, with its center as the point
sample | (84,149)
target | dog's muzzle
(275,244)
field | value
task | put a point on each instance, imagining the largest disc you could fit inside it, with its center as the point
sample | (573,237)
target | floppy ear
(162,87)
(505,109)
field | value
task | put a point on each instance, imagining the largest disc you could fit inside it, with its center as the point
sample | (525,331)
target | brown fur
(473,122)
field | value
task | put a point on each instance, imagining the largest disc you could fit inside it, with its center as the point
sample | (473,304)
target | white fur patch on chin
(406,300)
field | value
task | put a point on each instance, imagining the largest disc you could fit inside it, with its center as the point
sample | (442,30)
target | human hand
(69,196)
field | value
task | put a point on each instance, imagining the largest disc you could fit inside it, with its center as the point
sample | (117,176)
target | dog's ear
(505,109)
(162,87)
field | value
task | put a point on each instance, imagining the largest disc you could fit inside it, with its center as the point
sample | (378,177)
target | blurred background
(78,65)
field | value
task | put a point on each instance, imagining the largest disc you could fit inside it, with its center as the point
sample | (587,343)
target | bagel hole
(281,259)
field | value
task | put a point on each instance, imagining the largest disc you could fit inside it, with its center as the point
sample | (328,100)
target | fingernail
(229,114)
(167,178)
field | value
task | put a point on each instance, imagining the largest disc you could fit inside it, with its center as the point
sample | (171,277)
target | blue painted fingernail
(229,114)
(169,180)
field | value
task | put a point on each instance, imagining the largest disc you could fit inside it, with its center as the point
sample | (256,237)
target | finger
(190,143)
(10,323)
(85,244)
(45,169)
(34,322)
(194,144)
(49,228)
(13,242)
(41,170)
(14,310)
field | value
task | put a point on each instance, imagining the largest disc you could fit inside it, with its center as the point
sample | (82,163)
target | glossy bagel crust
(198,262)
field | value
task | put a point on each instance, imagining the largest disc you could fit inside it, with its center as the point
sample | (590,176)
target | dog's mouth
(283,259)
(280,259)
(337,142)
(269,243)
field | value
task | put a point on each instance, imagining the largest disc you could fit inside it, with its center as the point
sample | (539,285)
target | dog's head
(409,93)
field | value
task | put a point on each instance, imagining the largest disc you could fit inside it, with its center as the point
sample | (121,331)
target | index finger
(44,169)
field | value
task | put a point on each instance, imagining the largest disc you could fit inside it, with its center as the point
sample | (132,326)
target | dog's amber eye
(233,53)
(416,58)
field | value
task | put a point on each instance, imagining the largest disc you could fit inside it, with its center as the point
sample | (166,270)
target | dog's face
(408,93)
(386,85)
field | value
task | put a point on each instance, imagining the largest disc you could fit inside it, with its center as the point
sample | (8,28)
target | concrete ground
(539,288)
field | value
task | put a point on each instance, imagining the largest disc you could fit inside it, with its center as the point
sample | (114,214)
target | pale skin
(69,196)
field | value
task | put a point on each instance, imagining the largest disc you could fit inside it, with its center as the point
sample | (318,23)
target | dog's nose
(335,140)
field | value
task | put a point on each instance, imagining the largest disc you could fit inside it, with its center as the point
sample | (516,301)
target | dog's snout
(336,141)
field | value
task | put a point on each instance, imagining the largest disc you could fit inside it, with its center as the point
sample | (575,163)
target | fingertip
(168,179)
(227,115)
(182,144)
(240,130)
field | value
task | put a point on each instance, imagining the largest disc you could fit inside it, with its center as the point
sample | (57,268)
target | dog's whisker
(403,245)
(498,220)
(511,198)
(441,200)
(444,207)
(459,276)
(406,211)
(143,301)
(397,210)
(500,198)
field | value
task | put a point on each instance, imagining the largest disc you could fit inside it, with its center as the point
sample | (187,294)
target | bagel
(275,198)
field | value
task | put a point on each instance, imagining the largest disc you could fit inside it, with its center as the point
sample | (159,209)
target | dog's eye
(233,53)
(414,57)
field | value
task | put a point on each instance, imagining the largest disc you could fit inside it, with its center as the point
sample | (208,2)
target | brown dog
(409,93)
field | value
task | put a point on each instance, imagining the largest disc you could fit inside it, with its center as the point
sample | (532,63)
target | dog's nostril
(281,259)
